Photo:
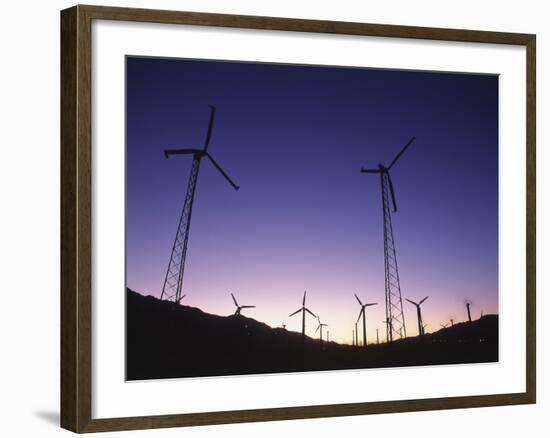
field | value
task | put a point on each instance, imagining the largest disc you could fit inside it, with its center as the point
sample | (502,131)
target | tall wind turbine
(173,281)
(419,314)
(320,328)
(392,285)
(239,308)
(362,313)
(304,309)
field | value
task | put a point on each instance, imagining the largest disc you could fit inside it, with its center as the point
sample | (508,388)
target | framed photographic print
(304,218)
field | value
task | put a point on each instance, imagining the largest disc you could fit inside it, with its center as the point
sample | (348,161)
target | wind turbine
(452,321)
(468,304)
(320,328)
(173,281)
(419,314)
(239,308)
(304,309)
(392,285)
(362,313)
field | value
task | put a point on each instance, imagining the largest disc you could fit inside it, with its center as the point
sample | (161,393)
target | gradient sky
(294,138)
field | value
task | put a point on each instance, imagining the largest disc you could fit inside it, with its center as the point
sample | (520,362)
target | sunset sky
(295,138)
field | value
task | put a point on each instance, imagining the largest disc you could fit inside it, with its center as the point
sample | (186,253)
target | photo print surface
(289,218)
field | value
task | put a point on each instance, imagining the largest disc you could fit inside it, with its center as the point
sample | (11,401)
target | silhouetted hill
(168,340)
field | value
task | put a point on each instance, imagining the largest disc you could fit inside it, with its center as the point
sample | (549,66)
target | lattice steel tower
(173,281)
(395,318)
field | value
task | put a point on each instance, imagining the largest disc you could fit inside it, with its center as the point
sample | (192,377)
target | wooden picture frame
(76,218)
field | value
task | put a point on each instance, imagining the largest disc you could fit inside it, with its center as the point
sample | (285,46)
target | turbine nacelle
(198,154)
(385,171)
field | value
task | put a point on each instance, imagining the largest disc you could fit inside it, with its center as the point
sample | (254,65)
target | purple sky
(294,138)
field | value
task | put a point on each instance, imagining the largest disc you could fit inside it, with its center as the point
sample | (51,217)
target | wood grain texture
(76,222)
(68,233)
(531,213)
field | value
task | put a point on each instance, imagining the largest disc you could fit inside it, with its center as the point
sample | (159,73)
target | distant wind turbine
(362,313)
(304,309)
(239,308)
(419,314)
(320,328)
(468,304)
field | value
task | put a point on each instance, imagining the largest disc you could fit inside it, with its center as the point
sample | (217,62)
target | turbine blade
(247,307)
(423,299)
(310,312)
(412,302)
(297,311)
(210,125)
(392,192)
(225,175)
(360,313)
(370,304)
(401,152)
(234,300)
(318,327)
(365,170)
(168,152)
(360,303)
(304,299)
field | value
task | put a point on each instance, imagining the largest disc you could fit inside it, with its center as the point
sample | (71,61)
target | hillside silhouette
(166,340)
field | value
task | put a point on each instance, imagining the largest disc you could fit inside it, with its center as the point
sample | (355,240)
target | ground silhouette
(166,340)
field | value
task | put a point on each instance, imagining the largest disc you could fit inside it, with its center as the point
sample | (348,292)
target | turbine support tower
(392,284)
(173,280)
(468,304)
